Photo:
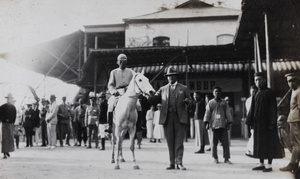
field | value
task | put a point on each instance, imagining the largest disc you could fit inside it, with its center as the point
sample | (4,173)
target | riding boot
(110,122)
(102,144)
(139,122)
(17,141)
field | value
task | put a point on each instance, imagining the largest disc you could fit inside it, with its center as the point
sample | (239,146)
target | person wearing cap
(218,117)
(74,124)
(174,98)
(102,119)
(118,82)
(28,125)
(294,121)
(92,121)
(51,119)
(79,116)
(8,115)
(262,118)
(36,119)
(158,131)
(63,125)
(43,111)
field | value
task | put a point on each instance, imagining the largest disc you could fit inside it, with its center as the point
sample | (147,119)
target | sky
(27,23)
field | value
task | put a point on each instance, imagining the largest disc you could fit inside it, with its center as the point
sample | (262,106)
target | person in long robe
(8,115)
(262,118)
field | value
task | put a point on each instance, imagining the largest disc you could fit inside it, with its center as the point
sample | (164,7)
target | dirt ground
(79,162)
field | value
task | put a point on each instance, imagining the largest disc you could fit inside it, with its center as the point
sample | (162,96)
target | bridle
(136,84)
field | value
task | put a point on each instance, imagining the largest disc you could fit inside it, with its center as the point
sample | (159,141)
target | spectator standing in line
(294,121)
(28,124)
(8,115)
(74,124)
(158,132)
(227,99)
(262,118)
(209,131)
(175,98)
(92,114)
(218,117)
(63,124)
(102,119)
(36,118)
(43,112)
(18,126)
(80,118)
(253,90)
(51,119)
(201,137)
(149,124)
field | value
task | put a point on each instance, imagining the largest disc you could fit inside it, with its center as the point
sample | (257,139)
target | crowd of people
(167,119)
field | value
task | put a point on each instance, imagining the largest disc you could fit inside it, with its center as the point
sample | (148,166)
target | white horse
(125,116)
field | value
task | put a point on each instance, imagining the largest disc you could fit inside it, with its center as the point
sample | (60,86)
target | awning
(283,27)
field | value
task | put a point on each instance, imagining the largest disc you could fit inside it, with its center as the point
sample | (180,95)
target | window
(161,41)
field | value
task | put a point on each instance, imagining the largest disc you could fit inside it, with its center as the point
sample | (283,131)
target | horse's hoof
(112,161)
(122,160)
(136,167)
(117,167)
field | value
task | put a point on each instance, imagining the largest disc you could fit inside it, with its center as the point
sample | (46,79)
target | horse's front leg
(118,143)
(132,135)
(121,148)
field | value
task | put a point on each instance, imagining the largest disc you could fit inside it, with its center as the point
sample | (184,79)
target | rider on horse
(118,82)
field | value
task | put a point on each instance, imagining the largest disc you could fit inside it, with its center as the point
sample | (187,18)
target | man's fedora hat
(9,95)
(171,71)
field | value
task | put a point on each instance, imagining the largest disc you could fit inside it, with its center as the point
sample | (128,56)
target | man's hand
(186,101)
(117,93)
(228,126)
(206,124)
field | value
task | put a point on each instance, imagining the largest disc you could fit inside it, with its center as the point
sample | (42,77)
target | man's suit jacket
(52,113)
(182,93)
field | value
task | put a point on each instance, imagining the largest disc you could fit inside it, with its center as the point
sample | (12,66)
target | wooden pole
(85,47)
(258,54)
(186,70)
(269,64)
(96,68)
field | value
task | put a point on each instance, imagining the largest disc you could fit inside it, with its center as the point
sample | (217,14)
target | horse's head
(142,84)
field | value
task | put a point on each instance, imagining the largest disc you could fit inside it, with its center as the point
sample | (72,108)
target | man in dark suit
(175,99)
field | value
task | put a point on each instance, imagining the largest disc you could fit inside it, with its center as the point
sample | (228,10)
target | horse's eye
(140,80)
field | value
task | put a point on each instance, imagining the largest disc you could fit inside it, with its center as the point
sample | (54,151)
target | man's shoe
(208,149)
(267,169)
(180,167)
(171,167)
(42,145)
(216,161)
(259,168)
(68,144)
(89,147)
(227,161)
(52,147)
(199,152)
